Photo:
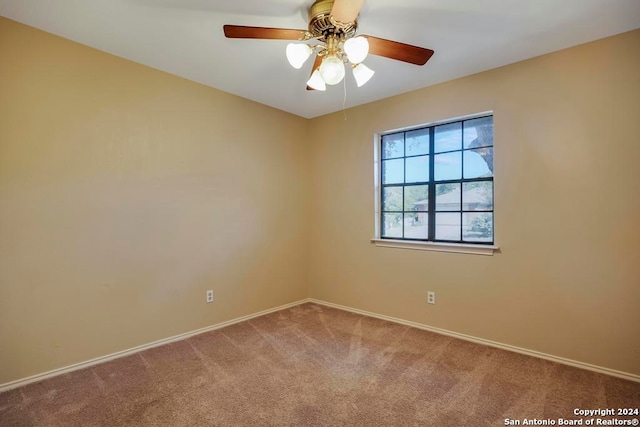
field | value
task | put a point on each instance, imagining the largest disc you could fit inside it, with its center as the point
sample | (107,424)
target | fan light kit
(332,29)
(336,53)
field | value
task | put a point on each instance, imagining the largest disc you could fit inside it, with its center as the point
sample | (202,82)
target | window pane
(448,137)
(393,146)
(477,227)
(392,225)
(448,226)
(393,171)
(417,142)
(416,225)
(477,196)
(392,199)
(448,166)
(478,132)
(478,163)
(417,169)
(448,197)
(416,198)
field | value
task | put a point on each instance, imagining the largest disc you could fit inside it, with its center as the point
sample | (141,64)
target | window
(436,183)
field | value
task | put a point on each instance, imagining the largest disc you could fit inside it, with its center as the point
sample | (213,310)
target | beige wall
(567,195)
(125,193)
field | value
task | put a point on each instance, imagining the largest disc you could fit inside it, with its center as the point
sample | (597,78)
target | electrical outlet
(209,296)
(431,297)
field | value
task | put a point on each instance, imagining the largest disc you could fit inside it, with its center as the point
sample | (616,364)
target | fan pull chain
(344,100)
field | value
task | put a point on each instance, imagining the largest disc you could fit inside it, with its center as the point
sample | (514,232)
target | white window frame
(421,245)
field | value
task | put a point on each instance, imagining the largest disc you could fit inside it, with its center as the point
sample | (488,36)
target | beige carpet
(316,366)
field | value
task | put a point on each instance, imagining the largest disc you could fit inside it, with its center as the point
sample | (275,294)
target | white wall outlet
(431,297)
(209,296)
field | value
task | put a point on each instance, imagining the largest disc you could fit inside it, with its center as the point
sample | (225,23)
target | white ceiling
(184,37)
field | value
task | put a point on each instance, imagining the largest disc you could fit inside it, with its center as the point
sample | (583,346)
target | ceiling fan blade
(242,32)
(316,65)
(346,10)
(399,51)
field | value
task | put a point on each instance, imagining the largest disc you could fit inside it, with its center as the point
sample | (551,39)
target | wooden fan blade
(346,10)
(242,32)
(316,65)
(399,51)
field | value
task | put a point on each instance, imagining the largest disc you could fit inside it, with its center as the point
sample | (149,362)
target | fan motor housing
(321,25)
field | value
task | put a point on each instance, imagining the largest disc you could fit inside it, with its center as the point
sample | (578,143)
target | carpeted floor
(315,366)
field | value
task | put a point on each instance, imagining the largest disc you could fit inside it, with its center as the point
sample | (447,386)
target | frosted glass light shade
(297,54)
(356,49)
(362,74)
(316,81)
(332,70)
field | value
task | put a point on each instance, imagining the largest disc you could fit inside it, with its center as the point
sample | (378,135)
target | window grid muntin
(431,185)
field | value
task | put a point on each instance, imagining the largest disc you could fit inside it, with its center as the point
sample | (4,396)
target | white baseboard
(123,353)
(102,359)
(533,353)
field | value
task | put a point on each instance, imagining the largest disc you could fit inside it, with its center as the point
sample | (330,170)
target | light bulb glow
(362,74)
(297,54)
(316,82)
(356,49)
(332,70)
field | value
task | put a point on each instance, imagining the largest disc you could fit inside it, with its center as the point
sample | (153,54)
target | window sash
(431,184)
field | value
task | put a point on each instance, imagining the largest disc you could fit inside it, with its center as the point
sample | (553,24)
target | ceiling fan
(331,35)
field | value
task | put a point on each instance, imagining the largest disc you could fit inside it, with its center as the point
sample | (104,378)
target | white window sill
(436,246)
